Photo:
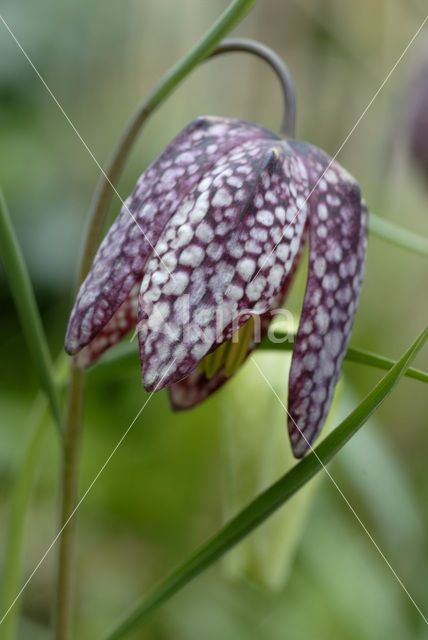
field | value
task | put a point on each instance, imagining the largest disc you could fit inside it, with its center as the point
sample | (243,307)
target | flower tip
(155,379)
(71,344)
(299,444)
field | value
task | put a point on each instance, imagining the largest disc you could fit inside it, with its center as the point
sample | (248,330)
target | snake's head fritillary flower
(419,118)
(205,248)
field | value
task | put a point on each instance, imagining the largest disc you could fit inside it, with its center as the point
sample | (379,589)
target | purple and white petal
(219,249)
(337,238)
(194,388)
(122,256)
(122,321)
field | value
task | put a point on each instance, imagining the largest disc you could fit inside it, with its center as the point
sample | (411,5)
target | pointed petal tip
(70,350)
(155,378)
(300,443)
(166,376)
(71,343)
(152,384)
(300,448)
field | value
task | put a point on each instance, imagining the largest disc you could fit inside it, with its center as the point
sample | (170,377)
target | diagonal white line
(73,513)
(366,531)
(52,95)
(370,103)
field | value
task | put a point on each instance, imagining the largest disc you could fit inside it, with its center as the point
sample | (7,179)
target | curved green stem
(381,362)
(233,45)
(69,490)
(26,306)
(20,500)
(271,499)
(230,17)
(397,235)
(225,23)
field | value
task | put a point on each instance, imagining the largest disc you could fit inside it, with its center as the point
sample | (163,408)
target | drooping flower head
(207,243)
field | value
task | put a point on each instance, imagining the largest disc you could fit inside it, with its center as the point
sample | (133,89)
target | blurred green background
(167,487)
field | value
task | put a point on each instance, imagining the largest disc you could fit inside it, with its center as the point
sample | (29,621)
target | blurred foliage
(162,492)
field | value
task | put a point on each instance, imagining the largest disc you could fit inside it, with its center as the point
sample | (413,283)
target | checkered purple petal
(219,250)
(122,256)
(337,239)
(196,387)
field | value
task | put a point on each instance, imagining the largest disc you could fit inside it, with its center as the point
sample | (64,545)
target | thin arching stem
(236,10)
(244,45)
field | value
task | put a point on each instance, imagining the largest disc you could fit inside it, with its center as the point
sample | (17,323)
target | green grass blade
(271,499)
(397,235)
(16,526)
(26,306)
(22,491)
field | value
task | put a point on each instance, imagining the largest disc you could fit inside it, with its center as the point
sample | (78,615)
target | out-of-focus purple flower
(207,243)
(419,118)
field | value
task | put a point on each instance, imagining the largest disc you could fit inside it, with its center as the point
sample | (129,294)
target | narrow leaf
(20,503)
(23,294)
(271,499)
(9,611)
